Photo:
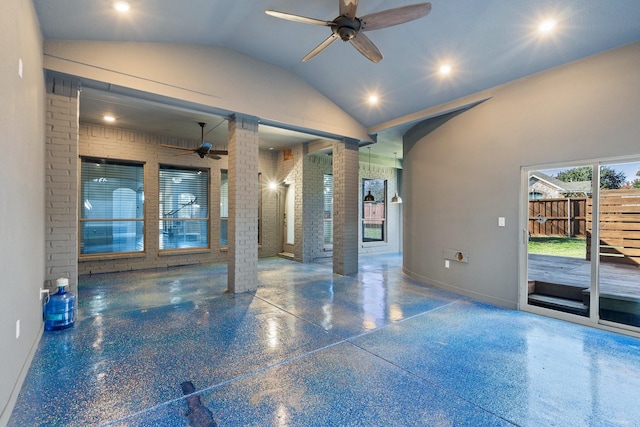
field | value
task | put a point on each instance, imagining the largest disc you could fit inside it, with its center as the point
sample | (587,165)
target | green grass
(558,246)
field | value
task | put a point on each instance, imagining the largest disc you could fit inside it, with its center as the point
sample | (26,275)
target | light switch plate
(501,221)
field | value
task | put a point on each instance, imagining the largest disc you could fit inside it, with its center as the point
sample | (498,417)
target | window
(112,207)
(374,211)
(535,195)
(260,189)
(328,209)
(224,208)
(184,208)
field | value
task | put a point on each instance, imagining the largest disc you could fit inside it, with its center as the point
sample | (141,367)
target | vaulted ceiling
(485,43)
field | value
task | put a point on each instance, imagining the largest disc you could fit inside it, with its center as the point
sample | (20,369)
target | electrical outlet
(17,328)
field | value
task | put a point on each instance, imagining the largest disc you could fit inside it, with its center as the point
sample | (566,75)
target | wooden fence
(619,226)
(558,217)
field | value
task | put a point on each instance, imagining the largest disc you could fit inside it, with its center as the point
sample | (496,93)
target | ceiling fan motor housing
(346,27)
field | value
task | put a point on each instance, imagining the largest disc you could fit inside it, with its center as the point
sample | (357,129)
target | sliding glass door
(581,243)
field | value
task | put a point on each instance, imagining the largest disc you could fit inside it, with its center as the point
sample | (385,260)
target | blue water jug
(59,310)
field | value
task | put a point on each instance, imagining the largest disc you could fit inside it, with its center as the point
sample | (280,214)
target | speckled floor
(312,349)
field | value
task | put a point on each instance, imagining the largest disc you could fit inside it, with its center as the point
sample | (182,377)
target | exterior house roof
(561,187)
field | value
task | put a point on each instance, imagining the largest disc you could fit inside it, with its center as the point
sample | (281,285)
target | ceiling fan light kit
(350,28)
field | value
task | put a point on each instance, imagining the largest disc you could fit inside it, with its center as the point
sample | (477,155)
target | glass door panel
(558,265)
(619,231)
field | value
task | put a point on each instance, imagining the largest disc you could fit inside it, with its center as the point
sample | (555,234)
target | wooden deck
(562,284)
(615,279)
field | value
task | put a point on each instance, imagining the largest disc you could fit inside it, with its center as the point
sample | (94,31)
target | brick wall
(122,144)
(313,188)
(271,239)
(309,170)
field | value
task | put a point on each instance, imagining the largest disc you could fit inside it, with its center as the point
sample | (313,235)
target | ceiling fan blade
(399,15)
(366,47)
(219,152)
(348,8)
(213,156)
(177,148)
(322,46)
(297,18)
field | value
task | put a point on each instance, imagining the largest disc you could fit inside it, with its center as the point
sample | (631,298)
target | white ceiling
(487,42)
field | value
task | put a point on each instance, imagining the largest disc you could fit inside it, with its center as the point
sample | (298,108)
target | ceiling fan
(203,150)
(350,28)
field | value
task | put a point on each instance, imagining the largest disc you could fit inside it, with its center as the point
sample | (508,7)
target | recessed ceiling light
(121,6)
(445,69)
(109,119)
(373,99)
(547,26)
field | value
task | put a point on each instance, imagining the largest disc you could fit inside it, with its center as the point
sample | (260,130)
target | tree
(575,174)
(609,178)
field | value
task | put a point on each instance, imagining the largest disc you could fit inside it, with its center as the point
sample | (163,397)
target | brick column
(345,207)
(61,182)
(305,235)
(243,204)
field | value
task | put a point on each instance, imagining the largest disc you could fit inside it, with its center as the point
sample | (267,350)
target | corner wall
(464,174)
(22,195)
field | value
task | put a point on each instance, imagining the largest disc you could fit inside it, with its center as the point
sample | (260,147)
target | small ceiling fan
(203,150)
(350,28)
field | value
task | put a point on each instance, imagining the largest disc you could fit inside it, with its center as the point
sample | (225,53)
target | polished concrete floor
(170,347)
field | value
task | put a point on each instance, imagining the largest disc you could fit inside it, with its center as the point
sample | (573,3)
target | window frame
(327,211)
(84,205)
(368,207)
(193,230)
(224,207)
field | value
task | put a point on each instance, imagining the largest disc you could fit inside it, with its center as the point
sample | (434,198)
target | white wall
(21,194)
(462,176)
